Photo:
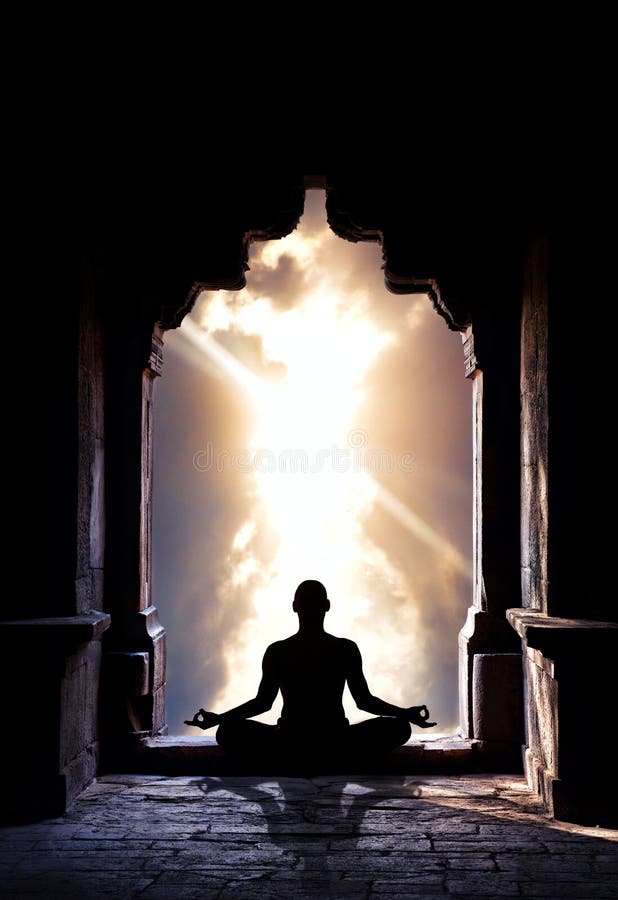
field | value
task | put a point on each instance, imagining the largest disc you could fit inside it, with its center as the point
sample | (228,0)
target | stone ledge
(186,755)
(72,630)
(553,635)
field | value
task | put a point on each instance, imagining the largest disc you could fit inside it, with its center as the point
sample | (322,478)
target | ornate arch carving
(216,257)
(410,239)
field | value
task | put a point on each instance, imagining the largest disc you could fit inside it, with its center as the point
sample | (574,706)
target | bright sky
(312,426)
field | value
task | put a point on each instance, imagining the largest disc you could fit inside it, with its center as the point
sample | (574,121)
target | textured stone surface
(50,665)
(337,836)
(567,664)
(534,428)
(497,690)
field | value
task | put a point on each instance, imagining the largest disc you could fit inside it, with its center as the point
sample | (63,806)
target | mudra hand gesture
(203,719)
(418,715)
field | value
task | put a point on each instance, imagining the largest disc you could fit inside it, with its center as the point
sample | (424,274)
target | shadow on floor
(295,823)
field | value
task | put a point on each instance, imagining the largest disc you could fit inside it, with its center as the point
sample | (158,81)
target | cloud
(280,284)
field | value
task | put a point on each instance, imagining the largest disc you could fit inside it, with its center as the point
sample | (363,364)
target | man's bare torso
(311,672)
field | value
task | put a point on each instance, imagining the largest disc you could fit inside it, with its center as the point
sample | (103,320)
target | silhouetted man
(311,668)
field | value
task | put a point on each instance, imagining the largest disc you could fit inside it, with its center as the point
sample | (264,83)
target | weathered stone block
(567,664)
(498,697)
(60,683)
(159,660)
(158,709)
(130,669)
(79,695)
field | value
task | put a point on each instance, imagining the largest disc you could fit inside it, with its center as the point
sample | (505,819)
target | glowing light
(327,345)
(244,535)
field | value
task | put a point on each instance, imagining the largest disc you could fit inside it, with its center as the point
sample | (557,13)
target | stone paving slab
(328,837)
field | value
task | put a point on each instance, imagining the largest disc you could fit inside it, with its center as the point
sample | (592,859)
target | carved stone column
(50,639)
(494,365)
(134,662)
(567,615)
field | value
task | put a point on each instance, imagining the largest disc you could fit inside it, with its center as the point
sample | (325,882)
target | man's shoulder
(280,646)
(345,645)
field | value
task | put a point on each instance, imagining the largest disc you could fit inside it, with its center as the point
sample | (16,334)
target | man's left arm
(366,701)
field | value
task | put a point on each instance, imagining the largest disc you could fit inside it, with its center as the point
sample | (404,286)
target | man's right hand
(203,719)
(418,715)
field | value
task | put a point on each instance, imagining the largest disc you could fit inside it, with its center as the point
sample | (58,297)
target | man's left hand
(418,715)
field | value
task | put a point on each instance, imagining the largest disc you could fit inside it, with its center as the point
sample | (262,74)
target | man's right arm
(261,703)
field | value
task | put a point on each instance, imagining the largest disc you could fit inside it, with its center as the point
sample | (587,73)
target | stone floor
(354,837)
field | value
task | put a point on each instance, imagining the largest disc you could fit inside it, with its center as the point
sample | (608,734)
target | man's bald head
(311,600)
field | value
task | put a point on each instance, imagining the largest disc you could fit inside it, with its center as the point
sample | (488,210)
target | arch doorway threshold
(438,755)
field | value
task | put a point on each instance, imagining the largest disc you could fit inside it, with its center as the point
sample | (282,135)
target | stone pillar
(50,641)
(567,613)
(534,430)
(134,662)
(492,362)
(581,453)
(127,422)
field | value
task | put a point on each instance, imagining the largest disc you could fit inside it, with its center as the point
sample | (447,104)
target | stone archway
(137,656)
(416,404)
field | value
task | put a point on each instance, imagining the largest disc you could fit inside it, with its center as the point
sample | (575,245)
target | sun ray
(225,361)
(423,531)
